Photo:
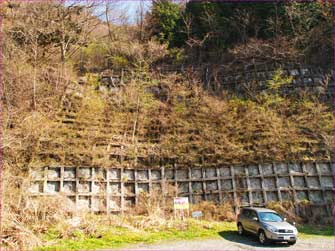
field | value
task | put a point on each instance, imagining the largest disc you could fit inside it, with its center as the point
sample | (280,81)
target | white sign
(197,214)
(181,203)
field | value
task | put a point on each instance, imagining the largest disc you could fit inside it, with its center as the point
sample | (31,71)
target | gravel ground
(234,242)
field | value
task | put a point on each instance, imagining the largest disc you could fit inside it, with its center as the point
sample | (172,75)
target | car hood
(280,225)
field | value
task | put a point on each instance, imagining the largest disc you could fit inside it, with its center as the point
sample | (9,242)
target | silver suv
(267,225)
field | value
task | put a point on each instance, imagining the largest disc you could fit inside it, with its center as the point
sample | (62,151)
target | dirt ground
(235,242)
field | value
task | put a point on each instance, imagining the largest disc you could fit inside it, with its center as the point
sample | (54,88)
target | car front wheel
(262,238)
(240,229)
(291,242)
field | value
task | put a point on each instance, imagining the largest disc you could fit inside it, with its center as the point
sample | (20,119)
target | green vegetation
(312,231)
(118,237)
(209,27)
(51,118)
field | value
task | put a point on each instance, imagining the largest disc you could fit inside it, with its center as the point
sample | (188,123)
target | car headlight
(270,228)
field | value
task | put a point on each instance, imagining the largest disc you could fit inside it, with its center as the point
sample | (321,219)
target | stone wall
(252,79)
(96,189)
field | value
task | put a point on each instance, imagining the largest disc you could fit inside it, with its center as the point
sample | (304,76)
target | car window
(252,214)
(245,213)
(270,217)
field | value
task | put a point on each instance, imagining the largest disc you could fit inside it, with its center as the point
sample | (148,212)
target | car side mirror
(294,223)
(285,219)
(255,218)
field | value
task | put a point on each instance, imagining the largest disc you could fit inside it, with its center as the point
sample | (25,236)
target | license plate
(286,237)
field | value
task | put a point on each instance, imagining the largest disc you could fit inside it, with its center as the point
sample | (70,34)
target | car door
(253,224)
(245,219)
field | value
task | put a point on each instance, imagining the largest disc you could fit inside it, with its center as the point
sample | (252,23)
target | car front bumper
(281,236)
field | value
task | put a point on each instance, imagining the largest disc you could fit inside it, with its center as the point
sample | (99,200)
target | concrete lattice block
(36,187)
(115,203)
(318,81)
(156,187)
(182,174)
(299,181)
(327,181)
(84,203)
(302,195)
(305,71)
(267,169)
(325,168)
(211,185)
(244,198)
(114,174)
(70,203)
(287,195)
(310,168)
(253,170)
(129,188)
(272,196)
(115,188)
(143,187)
(196,173)
(295,168)
(98,204)
(84,187)
(155,174)
(99,187)
(69,186)
(281,168)
(210,173)
(284,181)
(37,174)
(226,185)
(53,173)
(197,198)
(129,202)
(255,183)
(183,187)
(169,174)
(213,197)
(142,175)
(315,196)
(307,81)
(99,173)
(228,197)
(196,186)
(128,174)
(257,197)
(84,173)
(329,196)
(239,170)
(240,182)
(69,173)
(313,182)
(294,72)
(52,187)
(225,171)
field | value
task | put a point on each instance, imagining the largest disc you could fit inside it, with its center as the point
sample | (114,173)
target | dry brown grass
(215,212)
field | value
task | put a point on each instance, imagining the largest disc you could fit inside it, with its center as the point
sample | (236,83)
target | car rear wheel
(262,238)
(240,229)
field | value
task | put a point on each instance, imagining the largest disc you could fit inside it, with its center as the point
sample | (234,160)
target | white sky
(128,6)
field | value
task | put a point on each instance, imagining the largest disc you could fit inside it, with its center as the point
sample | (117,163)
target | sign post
(180,204)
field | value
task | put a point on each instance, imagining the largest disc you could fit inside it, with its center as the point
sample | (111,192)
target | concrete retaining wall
(96,189)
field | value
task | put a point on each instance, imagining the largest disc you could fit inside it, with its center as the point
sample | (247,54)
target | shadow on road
(249,240)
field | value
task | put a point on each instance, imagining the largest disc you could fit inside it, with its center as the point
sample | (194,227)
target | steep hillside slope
(161,120)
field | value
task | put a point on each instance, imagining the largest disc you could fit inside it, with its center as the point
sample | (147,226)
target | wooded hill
(48,116)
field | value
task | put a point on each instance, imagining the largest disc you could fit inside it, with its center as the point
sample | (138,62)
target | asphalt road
(235,242)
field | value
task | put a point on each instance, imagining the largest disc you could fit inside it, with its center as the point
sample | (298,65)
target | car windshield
(269,216)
